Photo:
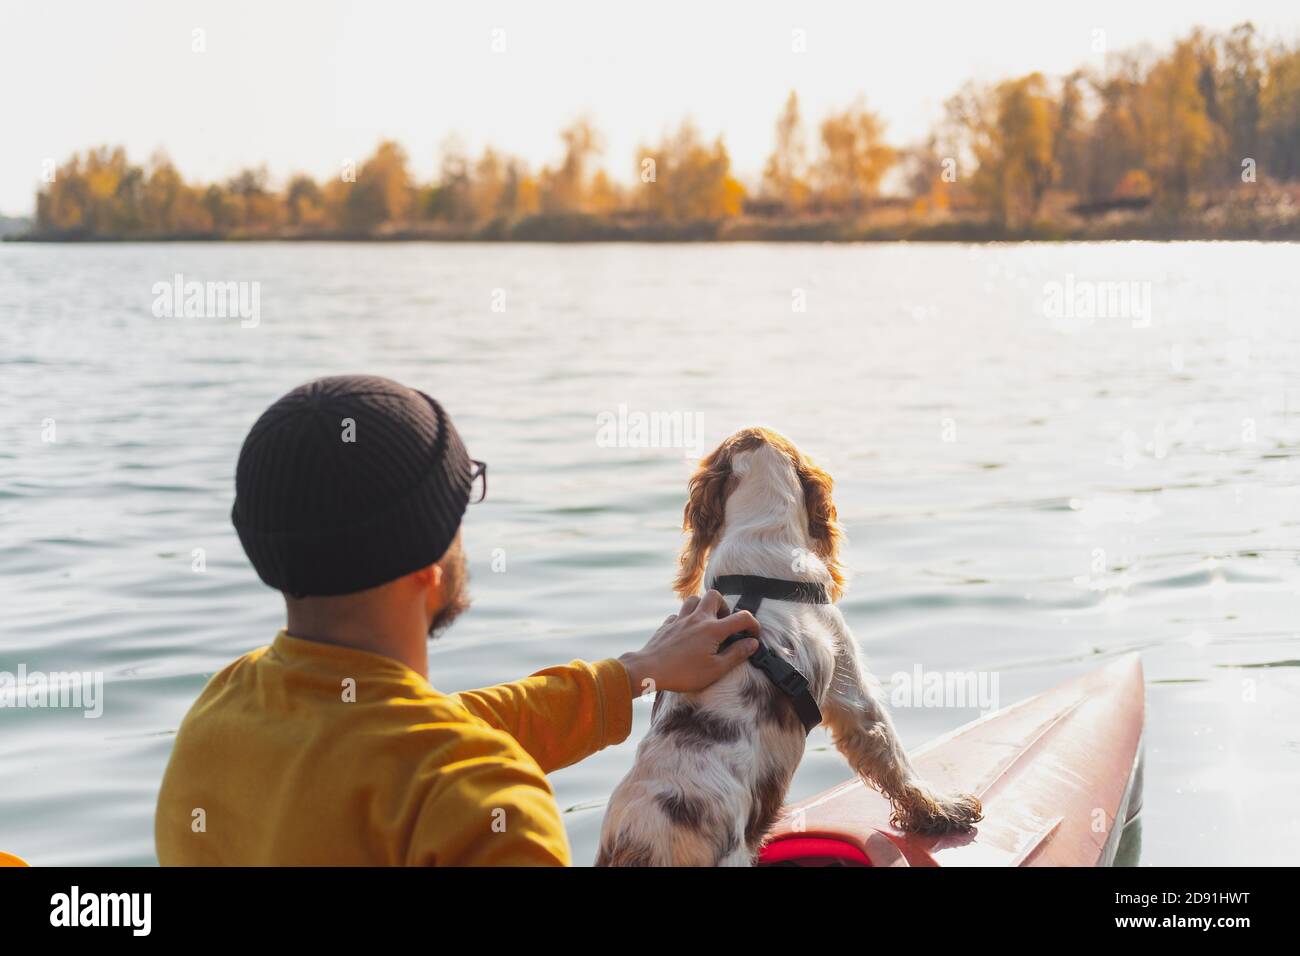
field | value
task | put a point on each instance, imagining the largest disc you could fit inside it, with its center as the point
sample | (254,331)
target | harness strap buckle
(791,681)
(785,676)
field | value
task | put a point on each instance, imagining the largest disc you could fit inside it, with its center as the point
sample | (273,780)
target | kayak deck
(1059,775)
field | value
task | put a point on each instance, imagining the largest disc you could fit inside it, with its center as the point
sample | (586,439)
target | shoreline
(732,232)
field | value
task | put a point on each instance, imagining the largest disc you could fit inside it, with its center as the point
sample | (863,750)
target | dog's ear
(823,524)
(706,505)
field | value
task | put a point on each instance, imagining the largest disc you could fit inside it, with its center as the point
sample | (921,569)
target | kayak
(1059,774)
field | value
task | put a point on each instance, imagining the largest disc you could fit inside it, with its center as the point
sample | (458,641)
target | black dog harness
(787,678)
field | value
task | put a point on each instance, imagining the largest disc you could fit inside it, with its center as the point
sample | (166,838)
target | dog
(711,775)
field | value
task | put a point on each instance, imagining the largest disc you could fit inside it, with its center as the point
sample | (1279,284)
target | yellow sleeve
(562,714)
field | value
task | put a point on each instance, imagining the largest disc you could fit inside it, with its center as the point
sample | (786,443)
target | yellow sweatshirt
(304,753)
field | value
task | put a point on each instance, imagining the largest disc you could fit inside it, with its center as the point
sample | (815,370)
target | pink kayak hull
(1059,775)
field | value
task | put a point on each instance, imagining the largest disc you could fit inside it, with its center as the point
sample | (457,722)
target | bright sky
(303,86)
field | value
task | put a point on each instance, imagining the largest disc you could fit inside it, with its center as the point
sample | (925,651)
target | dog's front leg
(865,735)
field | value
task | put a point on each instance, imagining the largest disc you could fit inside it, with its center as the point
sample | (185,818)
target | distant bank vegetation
(1203,140)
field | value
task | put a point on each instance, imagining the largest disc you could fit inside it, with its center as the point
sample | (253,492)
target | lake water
(1027,492)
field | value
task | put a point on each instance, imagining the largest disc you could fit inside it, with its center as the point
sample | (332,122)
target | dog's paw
(920,811)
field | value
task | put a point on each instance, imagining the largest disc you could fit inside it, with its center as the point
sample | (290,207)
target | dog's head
(761,475)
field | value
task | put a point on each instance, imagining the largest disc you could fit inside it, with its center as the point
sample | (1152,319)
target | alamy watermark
(179,299)
(131,911)
(66,690)
(1083,301)
(635,429)
(921,688)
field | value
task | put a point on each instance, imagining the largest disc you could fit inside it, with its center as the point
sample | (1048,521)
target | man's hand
(683,654)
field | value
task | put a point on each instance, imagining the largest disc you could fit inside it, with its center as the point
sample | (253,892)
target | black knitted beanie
(349,482)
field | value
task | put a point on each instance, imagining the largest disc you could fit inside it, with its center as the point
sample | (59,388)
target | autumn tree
(519,193)
(922,169)
(304,202)
(382,192)
(785,175)
(258,209)
(487,186)
(1027,122)
(692,178)
(1180,136)
(854,157)
(450,198)
(223,210)
(64,205)
(1239,86)
(172,207)
(522,193)
(1010,136)
(1070,141)
(1116,137)
(565,189)
(114,191)
(1279,114)
(603,195)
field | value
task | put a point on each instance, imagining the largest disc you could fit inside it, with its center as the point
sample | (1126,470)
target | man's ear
(429,577)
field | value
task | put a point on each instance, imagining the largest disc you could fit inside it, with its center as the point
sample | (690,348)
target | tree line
(1146,130)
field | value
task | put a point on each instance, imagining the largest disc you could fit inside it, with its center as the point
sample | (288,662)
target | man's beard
(455,576)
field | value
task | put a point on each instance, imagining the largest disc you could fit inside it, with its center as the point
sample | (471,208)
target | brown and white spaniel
(712,772)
